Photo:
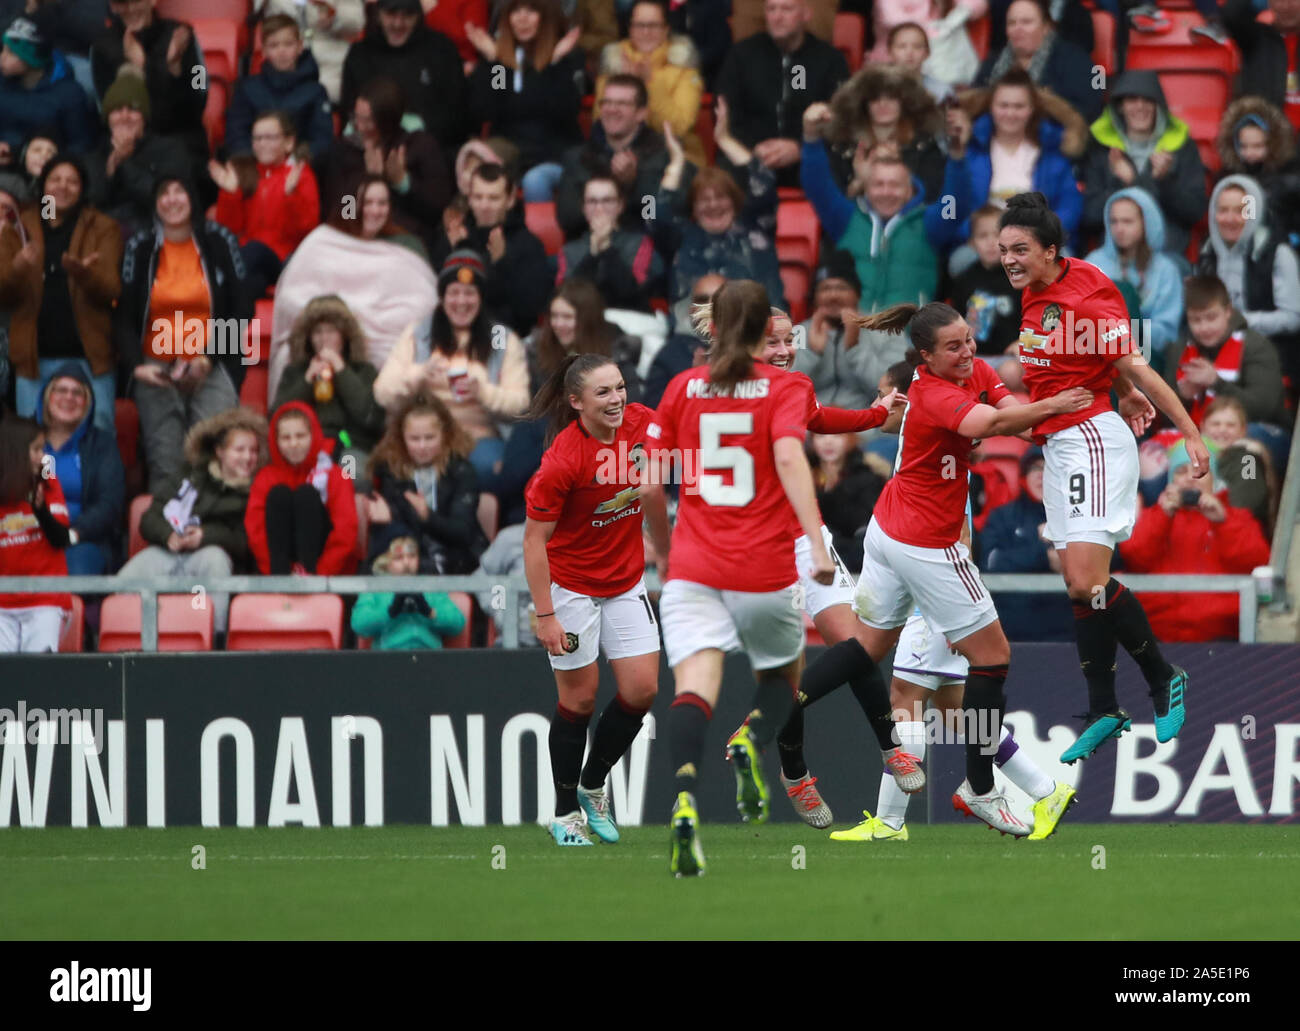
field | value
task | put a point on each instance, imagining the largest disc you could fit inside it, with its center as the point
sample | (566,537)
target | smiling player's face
(603,401)
(953,356)
(780,344)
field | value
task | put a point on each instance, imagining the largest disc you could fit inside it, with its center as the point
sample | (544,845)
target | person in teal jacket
(403,622)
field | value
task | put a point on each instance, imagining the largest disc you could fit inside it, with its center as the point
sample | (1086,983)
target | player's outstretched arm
(537,570)
(986,421)
(797,482)
(1139,373)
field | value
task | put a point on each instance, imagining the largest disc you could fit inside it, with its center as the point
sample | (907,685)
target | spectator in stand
(328,27)
(1014,540)
(289,82)
(520,279)
(622,264)
(1245,249)
(758,81)
(176,324)
(1245,465)
(381,273)
(302,512)
(621,144)
(37,90)
(1073,20)
(1270,58)
(378,142)
(1134,253)
(59,278)
(71,28)
(670,68)
(505,557)
(167,54)
(730,232)
(405,622)
(705,21)
(1255,139)
(450,17)
(528,86)
(577,325)
(330,371)
(885,109)
(33,536)
(1138,141)
(270,202)
(885,231)
(683,349)
(1193,529)
(1223,357)
(471,364)
(909,49)
(847,491)
(88,468)
(1052,60)
(522,458)
(426,488)
(424,62)
(982,293)
(124,171)
(943,23)
(195,525)
(39,148)
(1022,138)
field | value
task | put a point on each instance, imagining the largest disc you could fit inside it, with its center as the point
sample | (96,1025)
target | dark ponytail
(921,323)
(552,400)
(740,315)
(1030,211)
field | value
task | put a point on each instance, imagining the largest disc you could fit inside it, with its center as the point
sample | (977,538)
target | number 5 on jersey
(733,457)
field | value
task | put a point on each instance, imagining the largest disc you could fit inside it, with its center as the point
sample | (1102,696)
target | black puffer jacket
(450,539)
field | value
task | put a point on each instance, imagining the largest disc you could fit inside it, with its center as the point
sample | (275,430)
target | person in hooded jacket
(302,513)
(1255,139)
(58,280)
(1134,253)
(195,525)
(178,323)
(1138,141)
(88,467)
(37,89)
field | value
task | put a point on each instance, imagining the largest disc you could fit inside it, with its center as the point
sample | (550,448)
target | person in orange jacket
(302,515)
(1193,529)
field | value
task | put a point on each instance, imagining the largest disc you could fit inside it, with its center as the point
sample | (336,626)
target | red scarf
(1227,362)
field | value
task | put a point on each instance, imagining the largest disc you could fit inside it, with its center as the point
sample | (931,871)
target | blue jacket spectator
(1134,252)
(295,90)
(88,467)
(37,90)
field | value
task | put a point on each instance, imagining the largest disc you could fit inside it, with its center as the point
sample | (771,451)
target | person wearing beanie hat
(127,90)
(462,266)
(37,89)
(837,264)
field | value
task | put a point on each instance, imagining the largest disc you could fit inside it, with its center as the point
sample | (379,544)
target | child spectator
(941,25)
(576,324)
(1224,358)
(328,370)
(405,622)
(40,147)
(1134,253)
(195,526)
(1255,139)
(1245,465)
(623,264)
(1193,528)
(847,491)
(909,48)
(982,293)
(33,536)
(328,27)
(426,489)
(302,515)
(37,90)
(290,82)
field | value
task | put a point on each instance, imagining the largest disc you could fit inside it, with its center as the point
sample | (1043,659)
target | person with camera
(398,621)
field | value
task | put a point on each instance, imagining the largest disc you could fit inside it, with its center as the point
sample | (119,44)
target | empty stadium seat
(466,605)
(540,219)
(252,392)
(489,512)
(795,279)
(1178,49)
(847,37)
(188,10)
(285,622)
(214,112)
(181,626)
(73,638)
(980,32)
(798,233)
(220,40)
(136,543)
(1103,41)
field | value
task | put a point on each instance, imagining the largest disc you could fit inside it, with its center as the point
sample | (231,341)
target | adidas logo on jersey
(1074,512)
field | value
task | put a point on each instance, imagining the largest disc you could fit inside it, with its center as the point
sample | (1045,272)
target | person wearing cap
(37,89)
(1193,528)
(167,55)
(1255,139)
(124,170)
(1138,141)
(59,279)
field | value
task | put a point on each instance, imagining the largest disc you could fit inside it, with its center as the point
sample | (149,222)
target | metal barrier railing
(510,588)
(1288,510)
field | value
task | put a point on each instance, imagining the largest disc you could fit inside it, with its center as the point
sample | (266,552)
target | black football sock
(615,730)
(983,703)
(790,744)
(771,708)
(1094,636)
(1133,631)
(688,719)
(568,740)
(849,661)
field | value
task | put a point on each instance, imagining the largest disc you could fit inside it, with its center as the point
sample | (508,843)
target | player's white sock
(1021,770)
(892,803)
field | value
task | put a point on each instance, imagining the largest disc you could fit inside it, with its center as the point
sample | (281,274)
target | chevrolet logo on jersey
(620,500)
(1030,341)
(18,521)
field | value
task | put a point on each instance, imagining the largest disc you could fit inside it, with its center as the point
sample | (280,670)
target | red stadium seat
(466,605)
(541,221)
(797,233)
(1103,41)
(220,41)
(188,10)
(586,115)
(489,513)
(252,392)
(136,543)
(73,638)
(214,113)
(980,32)
(785,193)
(1178,49)
(795,279)
(181,626)
(126,420)
(285,622)
(847,37)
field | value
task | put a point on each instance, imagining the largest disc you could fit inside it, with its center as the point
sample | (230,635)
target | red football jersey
(592,490)
(924,502)
(1070,335)
(26,551)
(733,518)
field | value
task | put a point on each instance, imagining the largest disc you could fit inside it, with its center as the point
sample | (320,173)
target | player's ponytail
(1031,212)
(552,400)
(921,323)
(740,318)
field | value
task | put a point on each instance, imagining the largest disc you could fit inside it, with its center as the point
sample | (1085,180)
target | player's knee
(640,696)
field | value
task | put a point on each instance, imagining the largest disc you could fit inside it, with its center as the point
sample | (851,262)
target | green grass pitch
(1160,881)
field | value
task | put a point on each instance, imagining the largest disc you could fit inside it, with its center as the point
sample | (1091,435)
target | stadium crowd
(414,209)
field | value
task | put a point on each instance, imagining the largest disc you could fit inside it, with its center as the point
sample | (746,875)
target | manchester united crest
(1051,317)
